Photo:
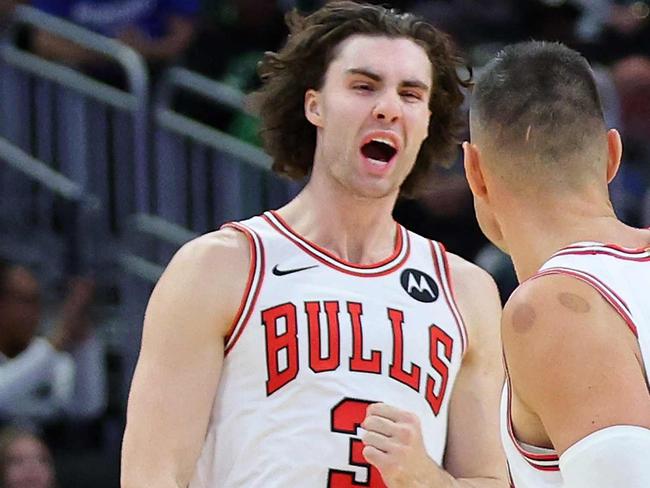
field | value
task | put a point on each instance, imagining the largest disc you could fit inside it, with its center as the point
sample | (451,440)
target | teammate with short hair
(576,332)
(322,344)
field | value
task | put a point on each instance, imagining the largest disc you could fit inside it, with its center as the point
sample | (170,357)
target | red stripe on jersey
(453,296)
(607,293)
(638,250)
(402,248)
(396,251)
(451,300)
(616,247)
(256,269)
(641,256)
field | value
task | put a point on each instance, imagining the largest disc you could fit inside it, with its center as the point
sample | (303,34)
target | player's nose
(388,108)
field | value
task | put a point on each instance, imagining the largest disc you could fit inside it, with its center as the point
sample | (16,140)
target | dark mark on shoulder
(523,318)
(573,302)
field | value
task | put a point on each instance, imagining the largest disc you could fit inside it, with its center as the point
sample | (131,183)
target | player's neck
(534,232)
(358,230)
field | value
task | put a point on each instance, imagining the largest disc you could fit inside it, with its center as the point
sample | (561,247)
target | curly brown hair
(302,63)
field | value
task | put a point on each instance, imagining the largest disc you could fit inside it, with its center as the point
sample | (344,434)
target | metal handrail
(171,120)
(224,95)
(82,207)
(160,228)
(195,82)
(46,176)
(136,99)
(140,266)
(127,57)
(67,76)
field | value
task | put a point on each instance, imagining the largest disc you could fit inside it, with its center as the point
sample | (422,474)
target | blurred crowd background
(118,147)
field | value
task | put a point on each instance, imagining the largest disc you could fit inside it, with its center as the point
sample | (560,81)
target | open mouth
(378,150)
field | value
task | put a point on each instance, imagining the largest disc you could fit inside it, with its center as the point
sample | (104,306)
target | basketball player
(273,346)
(576,333)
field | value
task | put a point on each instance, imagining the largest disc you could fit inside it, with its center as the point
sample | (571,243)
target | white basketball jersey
(622,277)
(317,339)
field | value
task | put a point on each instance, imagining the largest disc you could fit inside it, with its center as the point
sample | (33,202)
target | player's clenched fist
(394,445)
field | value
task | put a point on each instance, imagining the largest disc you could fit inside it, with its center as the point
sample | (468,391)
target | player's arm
(173,389)
(573,361)
(473,457)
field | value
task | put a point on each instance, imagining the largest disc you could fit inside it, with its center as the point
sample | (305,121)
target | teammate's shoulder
(547,290)
(550,305)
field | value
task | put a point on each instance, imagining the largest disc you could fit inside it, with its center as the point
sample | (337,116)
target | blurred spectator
(227,48)
(160,30)
(603,30)
(632,79)
(627,28)
(471,22)
(25,461)
(43,379)
(6,9)
(628,17)
(240,31)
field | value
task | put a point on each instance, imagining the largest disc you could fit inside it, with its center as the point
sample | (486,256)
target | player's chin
(377,187)
(377,191)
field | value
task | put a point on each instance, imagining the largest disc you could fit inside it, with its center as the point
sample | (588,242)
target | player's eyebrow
(415,84)
(364,72)
(412,83)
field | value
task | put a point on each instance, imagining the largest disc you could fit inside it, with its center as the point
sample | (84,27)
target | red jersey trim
(388,265)
(607,293)
(253,285)
(440,262)
(640,254)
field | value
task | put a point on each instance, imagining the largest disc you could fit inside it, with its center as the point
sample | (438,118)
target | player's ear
(614,153)
(313,107)
(473,170)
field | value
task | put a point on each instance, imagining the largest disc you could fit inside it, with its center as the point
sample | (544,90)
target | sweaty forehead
(399,58)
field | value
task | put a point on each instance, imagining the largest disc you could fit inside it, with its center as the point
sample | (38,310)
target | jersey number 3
(347,415)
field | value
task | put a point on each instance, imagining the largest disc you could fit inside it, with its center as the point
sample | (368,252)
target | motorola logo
(419,285)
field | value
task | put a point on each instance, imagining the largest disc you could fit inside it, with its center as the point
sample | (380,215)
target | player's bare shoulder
(557,324)
(215,258)
(544,304)
(468,277)
(551,306)
(225,250)
(477,297)
(208,275)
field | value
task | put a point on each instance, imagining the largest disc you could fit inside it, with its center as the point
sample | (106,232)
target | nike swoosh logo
(283,272)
